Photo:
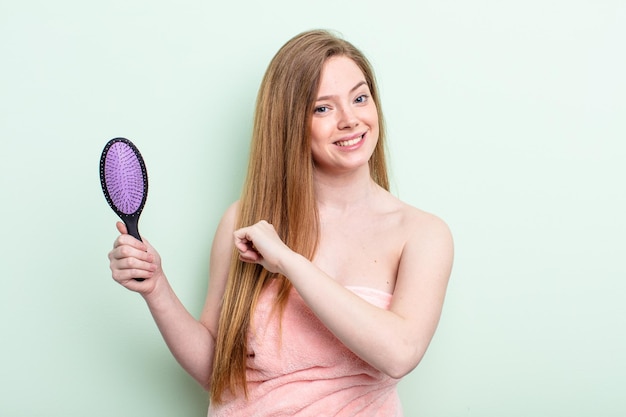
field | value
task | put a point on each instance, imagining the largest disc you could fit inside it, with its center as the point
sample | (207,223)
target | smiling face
(344,126)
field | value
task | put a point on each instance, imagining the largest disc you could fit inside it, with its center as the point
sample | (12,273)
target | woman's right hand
(131,259)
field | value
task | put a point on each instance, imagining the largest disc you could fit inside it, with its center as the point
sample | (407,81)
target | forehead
(338,74)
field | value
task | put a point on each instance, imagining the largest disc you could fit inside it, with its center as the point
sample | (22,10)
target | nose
(347,118)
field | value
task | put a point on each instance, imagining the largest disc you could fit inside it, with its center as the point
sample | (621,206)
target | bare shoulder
(423,233)
(231,213)
(223,239)
(428,242)
(416,223)
(423,225)
(425,263)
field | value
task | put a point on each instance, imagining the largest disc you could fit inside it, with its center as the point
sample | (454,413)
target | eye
(321,109)
(361,99)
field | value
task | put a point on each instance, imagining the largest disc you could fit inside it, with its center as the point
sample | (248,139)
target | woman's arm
(393,341)
(190,341)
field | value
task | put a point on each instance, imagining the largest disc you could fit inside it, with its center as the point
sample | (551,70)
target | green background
(505,118)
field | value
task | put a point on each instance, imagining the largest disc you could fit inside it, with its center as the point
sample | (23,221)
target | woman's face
(344,126)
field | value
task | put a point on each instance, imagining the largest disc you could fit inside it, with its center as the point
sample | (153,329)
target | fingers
(247,251)
(127,252)
(131,259)
(250,256)
(121,227)
(243,241)
(128,240)
(261,244)
(128,262)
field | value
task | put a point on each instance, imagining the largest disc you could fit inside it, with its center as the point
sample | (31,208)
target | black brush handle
(132,226)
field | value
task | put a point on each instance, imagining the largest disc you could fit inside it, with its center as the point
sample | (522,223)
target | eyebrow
(351,91)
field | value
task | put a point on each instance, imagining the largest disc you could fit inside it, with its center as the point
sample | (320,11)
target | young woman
(324,288)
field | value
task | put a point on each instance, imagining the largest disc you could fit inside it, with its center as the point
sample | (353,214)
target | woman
(324,288)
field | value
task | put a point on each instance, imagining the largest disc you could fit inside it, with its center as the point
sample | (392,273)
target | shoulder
(425,224)
(231,214)
(412,218)
(223,238)
(425,259)
(420,229)
(429,242)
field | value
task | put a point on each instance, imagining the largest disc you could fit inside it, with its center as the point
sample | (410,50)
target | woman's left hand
(261,244)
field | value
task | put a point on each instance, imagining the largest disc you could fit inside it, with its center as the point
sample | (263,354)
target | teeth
(349,142)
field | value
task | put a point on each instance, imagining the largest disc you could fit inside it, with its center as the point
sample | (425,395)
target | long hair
(279,187)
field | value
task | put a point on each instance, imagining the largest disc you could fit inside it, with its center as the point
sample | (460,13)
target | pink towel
(304,370)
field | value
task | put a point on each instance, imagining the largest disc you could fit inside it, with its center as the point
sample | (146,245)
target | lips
(350,141)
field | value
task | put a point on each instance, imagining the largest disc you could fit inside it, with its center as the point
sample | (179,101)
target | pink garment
(303,370)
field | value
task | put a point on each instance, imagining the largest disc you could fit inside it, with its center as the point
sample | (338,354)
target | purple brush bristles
(124,178)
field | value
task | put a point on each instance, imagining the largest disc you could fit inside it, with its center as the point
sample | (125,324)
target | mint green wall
(505,118)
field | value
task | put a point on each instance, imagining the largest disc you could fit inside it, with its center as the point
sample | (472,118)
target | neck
(343,191)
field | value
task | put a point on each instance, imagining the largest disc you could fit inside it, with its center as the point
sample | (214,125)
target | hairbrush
(124,181)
